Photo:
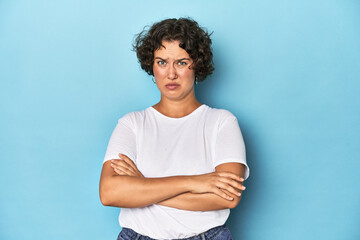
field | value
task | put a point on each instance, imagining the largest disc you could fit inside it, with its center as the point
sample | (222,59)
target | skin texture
(197,199)
(123,185)
(172,64)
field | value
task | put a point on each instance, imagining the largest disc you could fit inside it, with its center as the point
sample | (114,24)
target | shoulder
(218,118)
(132,118)
(220,115)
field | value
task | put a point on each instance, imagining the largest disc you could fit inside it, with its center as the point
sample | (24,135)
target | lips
(172,86)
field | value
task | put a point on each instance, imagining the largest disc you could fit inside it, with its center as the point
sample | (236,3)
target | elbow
(109,198)
(107,193)
(104,198)
(105,201)
(232,204)
(108,201)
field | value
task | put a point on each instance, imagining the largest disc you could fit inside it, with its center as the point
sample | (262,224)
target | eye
(161,63)
(182,63)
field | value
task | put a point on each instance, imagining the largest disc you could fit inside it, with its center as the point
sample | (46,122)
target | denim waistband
(209,234)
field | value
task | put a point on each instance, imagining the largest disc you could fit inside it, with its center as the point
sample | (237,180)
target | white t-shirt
(161,146)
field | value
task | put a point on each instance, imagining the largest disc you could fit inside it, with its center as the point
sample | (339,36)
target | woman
(175,168)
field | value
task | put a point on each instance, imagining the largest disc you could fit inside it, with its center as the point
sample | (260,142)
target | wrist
(189,182)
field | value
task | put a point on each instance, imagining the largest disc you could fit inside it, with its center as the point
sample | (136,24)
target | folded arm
(208,201)
(122,185)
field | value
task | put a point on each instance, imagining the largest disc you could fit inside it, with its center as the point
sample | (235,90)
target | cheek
(158,71)
(188,74)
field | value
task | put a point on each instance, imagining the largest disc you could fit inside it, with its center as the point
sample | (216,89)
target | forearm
(131,192)
(207,201)
(126,188)
(200,202)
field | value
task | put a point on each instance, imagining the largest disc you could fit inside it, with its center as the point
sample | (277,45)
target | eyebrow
(181,59)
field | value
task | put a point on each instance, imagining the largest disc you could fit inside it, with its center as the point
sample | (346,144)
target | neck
(177,109)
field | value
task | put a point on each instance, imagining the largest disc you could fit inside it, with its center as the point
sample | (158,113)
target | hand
(125,166)
(219,183)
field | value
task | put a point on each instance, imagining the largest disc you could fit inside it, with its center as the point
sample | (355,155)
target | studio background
(289,71)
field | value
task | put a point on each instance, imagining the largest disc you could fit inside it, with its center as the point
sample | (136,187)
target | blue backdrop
(289,70)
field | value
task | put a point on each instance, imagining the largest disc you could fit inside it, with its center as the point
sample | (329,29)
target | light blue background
(289,70)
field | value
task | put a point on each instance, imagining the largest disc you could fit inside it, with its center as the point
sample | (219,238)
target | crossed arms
(123,185)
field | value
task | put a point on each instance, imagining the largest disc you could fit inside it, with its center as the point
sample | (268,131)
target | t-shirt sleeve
(122,140)
(230,145)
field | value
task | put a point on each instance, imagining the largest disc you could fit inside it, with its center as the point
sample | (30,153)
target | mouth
(172,86)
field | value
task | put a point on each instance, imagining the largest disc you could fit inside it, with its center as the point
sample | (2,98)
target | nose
(172,72)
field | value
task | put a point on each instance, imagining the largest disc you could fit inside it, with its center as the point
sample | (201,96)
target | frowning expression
(173,73)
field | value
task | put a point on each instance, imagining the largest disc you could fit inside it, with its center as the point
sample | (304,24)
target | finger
(233,183)
(119,172)
(124,170)
(127,160)
(123,156)
(228,188)
(122,163)
(231,175)
(130,162)
(141,175)
(222,194)
(230,194)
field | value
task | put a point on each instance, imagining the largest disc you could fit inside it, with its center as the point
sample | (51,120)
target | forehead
(171,49)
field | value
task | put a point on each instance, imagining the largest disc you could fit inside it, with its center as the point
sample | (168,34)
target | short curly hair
(193,39)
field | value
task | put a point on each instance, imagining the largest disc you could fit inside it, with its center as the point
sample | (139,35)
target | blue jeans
(216,233)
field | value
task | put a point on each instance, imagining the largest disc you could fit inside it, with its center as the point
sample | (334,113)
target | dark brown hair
(193,39)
